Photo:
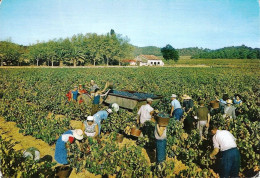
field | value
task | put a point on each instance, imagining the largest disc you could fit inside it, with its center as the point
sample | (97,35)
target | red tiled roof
(129,60)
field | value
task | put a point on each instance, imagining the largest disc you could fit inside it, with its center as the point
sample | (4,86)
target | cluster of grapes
(164,115)
(134,95)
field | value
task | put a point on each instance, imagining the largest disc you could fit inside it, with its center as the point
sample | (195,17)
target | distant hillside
(148,50)
(191,51)
(153,50)
(233,52)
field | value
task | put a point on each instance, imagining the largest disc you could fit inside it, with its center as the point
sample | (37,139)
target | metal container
(127,102)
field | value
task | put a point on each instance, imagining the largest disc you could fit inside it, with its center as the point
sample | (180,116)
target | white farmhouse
(149,60)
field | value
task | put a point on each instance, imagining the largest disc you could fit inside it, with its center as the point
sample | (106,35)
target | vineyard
(35,99)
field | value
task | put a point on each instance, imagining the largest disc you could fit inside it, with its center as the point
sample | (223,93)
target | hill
(153,50)
(233,52)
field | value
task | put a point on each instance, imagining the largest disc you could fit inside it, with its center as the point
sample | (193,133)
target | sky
(181,23)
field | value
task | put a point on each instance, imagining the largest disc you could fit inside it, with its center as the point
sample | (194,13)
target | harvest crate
(130,102)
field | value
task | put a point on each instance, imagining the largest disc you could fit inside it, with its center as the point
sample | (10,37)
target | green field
(29,95)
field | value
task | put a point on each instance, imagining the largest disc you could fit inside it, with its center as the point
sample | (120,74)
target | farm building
(130,62)
(149,60)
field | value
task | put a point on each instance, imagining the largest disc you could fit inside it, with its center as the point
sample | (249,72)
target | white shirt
(224,140)
(157,136)
(144,113)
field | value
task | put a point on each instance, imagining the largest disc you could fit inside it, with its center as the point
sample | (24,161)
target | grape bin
(130,99)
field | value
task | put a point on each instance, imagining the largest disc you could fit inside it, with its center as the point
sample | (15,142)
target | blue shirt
(237,102)
(222,101)
(75,94)
(176,104)
(96,99)
(100,115)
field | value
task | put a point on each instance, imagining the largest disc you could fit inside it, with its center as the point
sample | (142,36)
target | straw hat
(149,99)
(229,101)
(174,96)
(186,97)
(78,134)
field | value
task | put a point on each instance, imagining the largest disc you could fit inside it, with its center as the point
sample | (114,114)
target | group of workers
(223,140)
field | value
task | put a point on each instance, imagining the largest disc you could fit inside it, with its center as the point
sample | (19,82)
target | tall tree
(10,53)
(169,53)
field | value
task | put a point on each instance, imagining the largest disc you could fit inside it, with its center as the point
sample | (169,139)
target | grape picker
(61,150)
(176,109)
(145,112)
(226,142)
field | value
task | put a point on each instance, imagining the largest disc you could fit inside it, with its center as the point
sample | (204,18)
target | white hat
(149,99)
(115,107)
(174,96)
(90,118)
(78,134)
(75,86)
(229,101)
(109,111)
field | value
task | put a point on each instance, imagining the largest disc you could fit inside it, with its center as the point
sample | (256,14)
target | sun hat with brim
(75,86)
(109,111)
(90,118)
(174,96)
(187,97)
(229,101)
(149,99)
(78,134)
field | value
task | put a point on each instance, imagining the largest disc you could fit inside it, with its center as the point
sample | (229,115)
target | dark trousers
(230,163)
(160,150)
(177,113)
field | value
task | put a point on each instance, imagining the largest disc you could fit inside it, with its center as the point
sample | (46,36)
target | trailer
(130,99)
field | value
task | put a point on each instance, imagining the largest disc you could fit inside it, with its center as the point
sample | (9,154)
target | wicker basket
(214,104)
(136,132)
(163,121)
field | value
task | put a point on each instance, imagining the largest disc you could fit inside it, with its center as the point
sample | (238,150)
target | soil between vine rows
(8,130)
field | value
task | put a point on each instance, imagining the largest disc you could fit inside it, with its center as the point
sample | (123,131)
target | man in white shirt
(145,112)
(226,142)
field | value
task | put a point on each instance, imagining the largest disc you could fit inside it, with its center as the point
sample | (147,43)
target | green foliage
(234,52)
(27,96)
(10,53)
(13,164)
(169,53)
(191,51)
(77,50)
(148,50)
(118,122)
(106,157)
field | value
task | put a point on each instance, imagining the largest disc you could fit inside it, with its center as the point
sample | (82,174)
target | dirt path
(10,131)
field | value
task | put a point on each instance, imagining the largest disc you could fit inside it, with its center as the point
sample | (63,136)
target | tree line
(109,49)
(80,49)
(233,52)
